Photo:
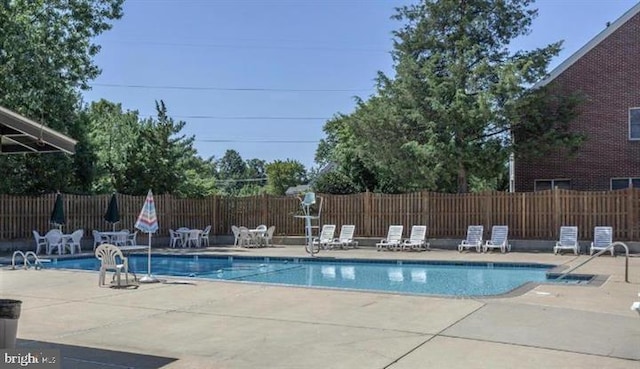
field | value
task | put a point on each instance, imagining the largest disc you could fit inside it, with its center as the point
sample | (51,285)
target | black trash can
(9,315)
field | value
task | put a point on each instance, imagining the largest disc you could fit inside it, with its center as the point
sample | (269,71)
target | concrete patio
(212,324)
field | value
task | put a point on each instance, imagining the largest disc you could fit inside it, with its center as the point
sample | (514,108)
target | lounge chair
(499,239)
(345,239)
(474,238)
(326,236)
(417,239)
(111,259)
(393,240)
(568,240)
(602,238)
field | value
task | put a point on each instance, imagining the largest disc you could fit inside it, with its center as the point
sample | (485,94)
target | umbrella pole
(149,278)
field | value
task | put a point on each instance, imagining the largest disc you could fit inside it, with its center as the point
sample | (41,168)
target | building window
(634,124)
(622,183)
(548,184)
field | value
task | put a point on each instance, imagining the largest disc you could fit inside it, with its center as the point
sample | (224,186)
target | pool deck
(194,324)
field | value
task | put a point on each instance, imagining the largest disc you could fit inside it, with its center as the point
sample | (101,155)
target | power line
(243,118)
(237,46)
(212,88)
(259,141)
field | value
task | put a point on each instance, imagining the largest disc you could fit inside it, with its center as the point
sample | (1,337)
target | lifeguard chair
(311,210)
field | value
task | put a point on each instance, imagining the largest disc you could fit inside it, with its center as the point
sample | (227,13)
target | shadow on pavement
(80,357)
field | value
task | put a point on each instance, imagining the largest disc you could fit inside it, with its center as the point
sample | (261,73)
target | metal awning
(19,135)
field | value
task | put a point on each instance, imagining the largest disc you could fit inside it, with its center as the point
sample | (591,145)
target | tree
(231,172)
(444,119)
(284,174)
(46,51)
(158,158)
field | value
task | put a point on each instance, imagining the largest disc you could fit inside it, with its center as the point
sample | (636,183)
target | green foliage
(445,117)
(46,51)
(284,174)
(334,183)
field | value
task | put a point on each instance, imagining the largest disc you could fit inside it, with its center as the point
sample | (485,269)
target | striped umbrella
(148,222)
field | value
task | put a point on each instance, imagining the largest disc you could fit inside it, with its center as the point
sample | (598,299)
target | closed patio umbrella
(57,214)
(148,222)
(113,214)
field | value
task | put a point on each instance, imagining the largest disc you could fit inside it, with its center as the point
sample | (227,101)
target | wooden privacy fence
(531,215)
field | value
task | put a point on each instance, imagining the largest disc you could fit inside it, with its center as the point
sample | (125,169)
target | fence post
(367,213)
(556,212)
(631,210)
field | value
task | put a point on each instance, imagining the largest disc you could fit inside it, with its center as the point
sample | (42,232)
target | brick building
(606,71)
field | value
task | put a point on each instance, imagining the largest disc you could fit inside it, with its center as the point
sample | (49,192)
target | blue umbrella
(148,223)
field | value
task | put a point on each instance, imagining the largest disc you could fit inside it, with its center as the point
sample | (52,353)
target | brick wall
(608,76)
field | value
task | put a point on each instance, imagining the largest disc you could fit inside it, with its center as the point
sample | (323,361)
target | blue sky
(262,76)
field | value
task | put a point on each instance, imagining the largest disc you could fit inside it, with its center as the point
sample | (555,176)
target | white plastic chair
(345,239)
(111,259)
(41,241)
(499,239)
(193,238)
(132,238)
(244,237)
(204,236)
(568,240)
(236,234)
(54,241)
(75,241)
(326,236)
(602,238)
(474,238)
(393,240)
(98,239)
(175,238)
(268,236)
(417,239)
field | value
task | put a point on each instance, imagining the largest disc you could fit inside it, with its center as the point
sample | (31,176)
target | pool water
(409,277)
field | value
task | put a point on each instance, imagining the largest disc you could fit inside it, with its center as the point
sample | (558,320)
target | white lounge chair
(417,239)
(111,259)
(568,240)
(326,236)
(474,238)
(602,238)
(393,240)
(345,239)
(499,239)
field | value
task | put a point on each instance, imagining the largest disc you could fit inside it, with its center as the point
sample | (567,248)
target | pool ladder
(37,262)
(607,249)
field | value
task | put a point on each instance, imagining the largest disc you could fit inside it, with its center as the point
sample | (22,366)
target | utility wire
(259,141)
(237,46)
(213,88)
(215,117)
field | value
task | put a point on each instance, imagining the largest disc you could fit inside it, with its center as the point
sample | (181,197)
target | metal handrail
(613,245)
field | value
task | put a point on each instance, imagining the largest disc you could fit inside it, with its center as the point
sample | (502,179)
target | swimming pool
(408,277)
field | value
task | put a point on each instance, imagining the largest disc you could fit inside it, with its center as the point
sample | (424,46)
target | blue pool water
(411,277)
